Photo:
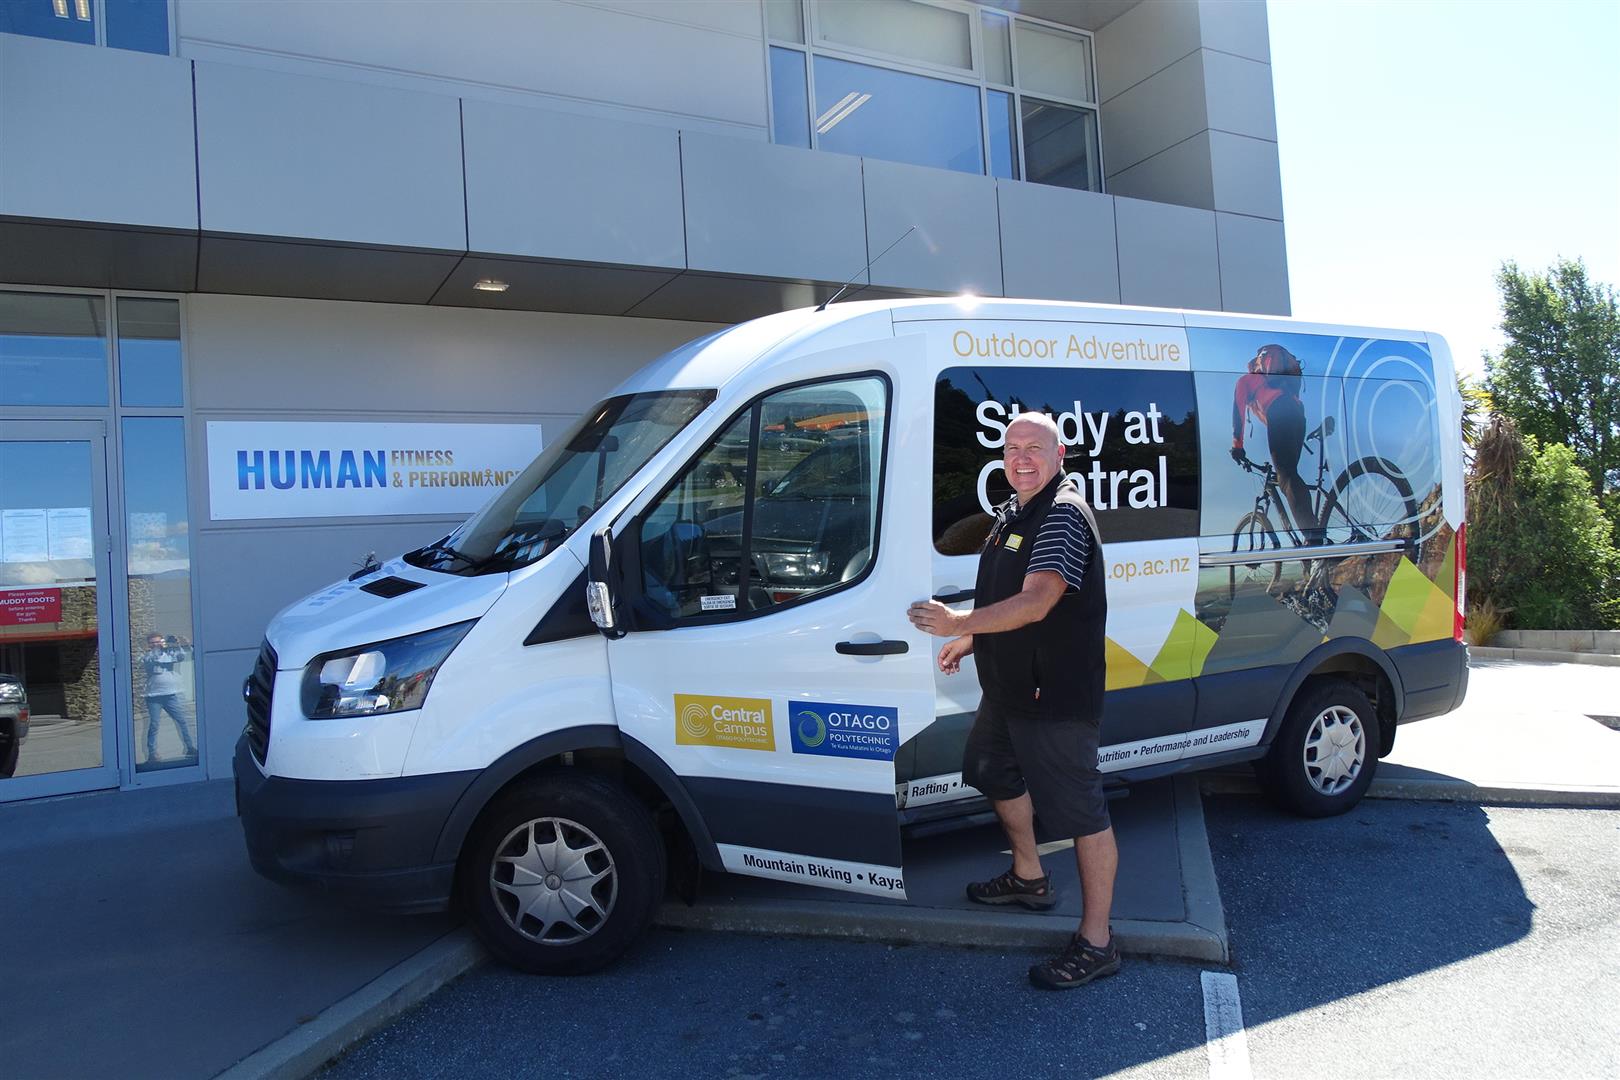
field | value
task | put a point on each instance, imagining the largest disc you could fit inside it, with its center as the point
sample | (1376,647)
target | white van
(683,627)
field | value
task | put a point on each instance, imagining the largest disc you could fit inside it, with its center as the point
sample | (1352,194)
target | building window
(140,25)
(941,83)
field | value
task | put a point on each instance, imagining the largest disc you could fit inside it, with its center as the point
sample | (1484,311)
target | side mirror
(1327,425)
(599,597)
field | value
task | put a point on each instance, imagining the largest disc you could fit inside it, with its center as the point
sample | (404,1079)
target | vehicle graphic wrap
(1267,441)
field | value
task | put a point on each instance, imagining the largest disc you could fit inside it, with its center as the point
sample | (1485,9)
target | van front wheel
(1326,753)
(563,874)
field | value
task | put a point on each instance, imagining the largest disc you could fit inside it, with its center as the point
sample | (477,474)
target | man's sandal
(1036,894)
(1081,962)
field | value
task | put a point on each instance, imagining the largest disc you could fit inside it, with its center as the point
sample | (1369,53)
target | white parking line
(1223,1028)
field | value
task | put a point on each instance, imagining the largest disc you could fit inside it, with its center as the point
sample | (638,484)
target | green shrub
(1539,544)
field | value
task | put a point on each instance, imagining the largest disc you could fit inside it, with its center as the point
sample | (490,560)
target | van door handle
(954,597)
(872,648)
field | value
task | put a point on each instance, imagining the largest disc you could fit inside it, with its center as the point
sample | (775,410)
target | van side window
(781,506)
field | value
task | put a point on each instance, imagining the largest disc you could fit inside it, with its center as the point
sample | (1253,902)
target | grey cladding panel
(1246,175)
(1144,40)
(957,245)
(100,135)
(1239,96)
(289,155)
(1167,255)
(1162,110)
(328,271)
(310,355)
(1179,175)
(772,211)
(1057,244)
(1234,26)
(559,186)
(1254,265)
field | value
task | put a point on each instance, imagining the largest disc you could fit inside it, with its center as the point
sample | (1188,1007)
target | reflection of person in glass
(163,690)
(1270,392)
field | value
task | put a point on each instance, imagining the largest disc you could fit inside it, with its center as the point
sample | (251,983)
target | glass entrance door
(58,709)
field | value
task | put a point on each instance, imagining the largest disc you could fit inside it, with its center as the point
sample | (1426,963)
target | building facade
(285,284)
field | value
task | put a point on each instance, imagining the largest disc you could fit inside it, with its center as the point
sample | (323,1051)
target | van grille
(257,692)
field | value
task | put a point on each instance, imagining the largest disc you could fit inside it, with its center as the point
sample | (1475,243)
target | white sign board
(301,470)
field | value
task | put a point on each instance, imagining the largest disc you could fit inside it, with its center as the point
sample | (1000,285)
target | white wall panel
(1238,95)
(326,159)
(1143,41)
(1178,175)
(957,245)
(1246,174)
(1254,265)
(92,134)
(1234,26)
(559,186)
(703,60)
(1156,113)
(1057,244)
(776,211)
(1167,255)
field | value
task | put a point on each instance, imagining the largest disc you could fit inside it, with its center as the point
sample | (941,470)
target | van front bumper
(369,842)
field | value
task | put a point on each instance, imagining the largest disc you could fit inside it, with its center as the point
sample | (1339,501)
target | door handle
(955,597)
(872,648)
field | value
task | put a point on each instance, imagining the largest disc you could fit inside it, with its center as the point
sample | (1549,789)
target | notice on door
(303,470)
(27,607)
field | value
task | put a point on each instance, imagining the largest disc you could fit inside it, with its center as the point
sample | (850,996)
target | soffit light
(491,285)
(841,111)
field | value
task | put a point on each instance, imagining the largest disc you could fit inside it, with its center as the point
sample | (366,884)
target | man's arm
(1041,592)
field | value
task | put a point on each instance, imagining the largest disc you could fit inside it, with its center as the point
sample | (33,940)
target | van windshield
(565,485)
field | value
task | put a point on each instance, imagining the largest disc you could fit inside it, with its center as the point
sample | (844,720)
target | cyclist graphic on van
(1270,393)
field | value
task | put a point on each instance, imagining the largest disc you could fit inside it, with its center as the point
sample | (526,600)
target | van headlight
(386,677)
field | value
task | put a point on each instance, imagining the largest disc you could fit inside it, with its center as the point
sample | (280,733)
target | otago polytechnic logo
(858,731)
(741,723)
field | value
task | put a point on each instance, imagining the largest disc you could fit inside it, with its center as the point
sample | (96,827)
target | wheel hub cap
(554,881)
(1335,750)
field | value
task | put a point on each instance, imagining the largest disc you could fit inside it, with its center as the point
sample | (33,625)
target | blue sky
(1423,142)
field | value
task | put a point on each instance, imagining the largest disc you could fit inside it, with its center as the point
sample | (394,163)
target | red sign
(24,607)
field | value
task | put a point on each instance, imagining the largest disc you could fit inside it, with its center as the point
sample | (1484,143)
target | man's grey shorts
(1055,760)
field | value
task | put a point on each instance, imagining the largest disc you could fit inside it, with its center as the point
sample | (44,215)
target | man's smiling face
(1032,455)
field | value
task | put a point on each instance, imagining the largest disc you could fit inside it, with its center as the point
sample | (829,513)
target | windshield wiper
(444,548)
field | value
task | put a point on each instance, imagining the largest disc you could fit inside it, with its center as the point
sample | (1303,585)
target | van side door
(770,663)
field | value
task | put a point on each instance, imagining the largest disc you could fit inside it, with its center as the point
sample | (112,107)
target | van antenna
(865,269)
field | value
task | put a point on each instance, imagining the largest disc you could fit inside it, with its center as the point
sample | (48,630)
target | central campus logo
(735,722)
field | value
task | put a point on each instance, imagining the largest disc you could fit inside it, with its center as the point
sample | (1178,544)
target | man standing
(163,691)
(1037,632)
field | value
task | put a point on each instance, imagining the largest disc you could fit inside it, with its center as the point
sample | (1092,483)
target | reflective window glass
(898,117)
(53,349)
(149,352)
(905,28)
(1060,145)
(751,525)
(784,20)
(1052,62)
(1003,161)
(790,101)
(51,699)
(997,48)
(163,671)
(59,20)
(141,25)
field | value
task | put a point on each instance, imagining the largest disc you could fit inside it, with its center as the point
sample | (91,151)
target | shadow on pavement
(1346,904)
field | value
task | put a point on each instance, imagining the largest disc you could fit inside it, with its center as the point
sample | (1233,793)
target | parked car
(13,722)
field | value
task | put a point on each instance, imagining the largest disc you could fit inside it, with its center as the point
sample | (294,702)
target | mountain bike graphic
(1370,500)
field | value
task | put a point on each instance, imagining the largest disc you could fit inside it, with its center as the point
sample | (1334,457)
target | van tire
(591,828)
(1326,752)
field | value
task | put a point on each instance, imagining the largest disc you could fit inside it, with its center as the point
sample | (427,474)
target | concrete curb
(1446,789)
(1201,936)
(1555,656)
(302,1051)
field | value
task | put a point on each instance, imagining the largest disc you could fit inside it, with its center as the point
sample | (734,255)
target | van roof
(713,360)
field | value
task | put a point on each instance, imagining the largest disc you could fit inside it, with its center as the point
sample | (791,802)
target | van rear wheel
(563,874)
(1326,753)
